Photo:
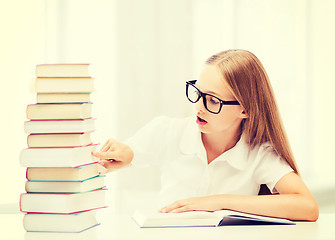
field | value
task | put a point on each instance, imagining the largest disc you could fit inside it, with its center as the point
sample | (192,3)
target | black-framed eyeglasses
(212,104)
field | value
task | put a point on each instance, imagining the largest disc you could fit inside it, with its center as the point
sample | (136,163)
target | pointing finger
(106,146)
(103,155)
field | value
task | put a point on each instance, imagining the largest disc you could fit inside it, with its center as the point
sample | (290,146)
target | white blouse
(176,146)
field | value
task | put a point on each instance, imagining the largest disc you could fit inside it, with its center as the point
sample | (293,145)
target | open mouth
(201,121)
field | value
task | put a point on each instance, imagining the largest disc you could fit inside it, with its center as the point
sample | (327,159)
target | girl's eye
(213,100)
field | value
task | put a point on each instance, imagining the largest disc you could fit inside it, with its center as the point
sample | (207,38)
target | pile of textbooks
(64,187)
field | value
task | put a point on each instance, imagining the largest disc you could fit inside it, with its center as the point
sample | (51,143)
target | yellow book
(59,111)
(79,173)
(63,97)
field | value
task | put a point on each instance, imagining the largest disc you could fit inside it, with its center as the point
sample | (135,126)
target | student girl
(219,158)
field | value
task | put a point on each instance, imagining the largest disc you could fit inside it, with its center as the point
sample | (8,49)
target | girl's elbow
(307,209)
(312,210)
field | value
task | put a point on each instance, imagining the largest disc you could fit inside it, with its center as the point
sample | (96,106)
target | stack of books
(64,187)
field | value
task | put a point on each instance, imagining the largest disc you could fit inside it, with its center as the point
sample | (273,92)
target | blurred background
(143,51)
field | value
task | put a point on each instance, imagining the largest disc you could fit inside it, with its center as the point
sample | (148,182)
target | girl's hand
(114,155)
(207,203)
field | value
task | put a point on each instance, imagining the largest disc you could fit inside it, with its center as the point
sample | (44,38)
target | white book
(86,185)
(63,70)
(60,126)
(154,219)
(57,157)
(59,139)
(69,223)
(88,234)
(64,85)
(62,203)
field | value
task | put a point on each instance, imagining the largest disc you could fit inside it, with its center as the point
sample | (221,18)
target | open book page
(152,218)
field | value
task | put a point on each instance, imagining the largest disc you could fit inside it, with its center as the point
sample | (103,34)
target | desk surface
(119,227)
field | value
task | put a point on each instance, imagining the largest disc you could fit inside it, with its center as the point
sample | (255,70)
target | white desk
(119,227)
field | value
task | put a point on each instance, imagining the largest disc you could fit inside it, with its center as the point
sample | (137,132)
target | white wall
(321,77)
(143,51)
(21,48)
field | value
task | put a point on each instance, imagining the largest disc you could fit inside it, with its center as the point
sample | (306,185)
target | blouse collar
(191,143)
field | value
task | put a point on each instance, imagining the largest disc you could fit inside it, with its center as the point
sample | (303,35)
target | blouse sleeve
(271,168)
(148,143)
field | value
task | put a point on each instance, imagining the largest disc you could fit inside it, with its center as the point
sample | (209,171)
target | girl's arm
(114,155)
(148,144)
(294,202)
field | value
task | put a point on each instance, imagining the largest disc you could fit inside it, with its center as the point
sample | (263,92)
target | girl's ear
(244,114)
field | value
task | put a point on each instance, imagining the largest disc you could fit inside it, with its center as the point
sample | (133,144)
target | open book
(152,219)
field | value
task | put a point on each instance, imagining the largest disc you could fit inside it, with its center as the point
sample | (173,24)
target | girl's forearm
(294,202)
(289,206)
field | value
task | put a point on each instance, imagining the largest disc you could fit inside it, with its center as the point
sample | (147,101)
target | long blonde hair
(250,85)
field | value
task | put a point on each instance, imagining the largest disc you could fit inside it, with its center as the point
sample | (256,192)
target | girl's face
(229,118)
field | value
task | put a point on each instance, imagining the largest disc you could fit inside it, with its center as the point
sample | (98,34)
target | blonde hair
(250,85)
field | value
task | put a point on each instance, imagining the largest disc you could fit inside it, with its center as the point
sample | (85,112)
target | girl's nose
(199,106)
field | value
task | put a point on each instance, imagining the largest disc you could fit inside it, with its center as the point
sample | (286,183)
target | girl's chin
(204,130)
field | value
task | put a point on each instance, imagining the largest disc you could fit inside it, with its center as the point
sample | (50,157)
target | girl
(219,158)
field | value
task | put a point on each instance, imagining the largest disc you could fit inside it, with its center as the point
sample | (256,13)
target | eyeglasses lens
(193,94)
(213,104)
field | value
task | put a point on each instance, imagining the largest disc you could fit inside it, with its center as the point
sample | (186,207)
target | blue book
(72,186)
